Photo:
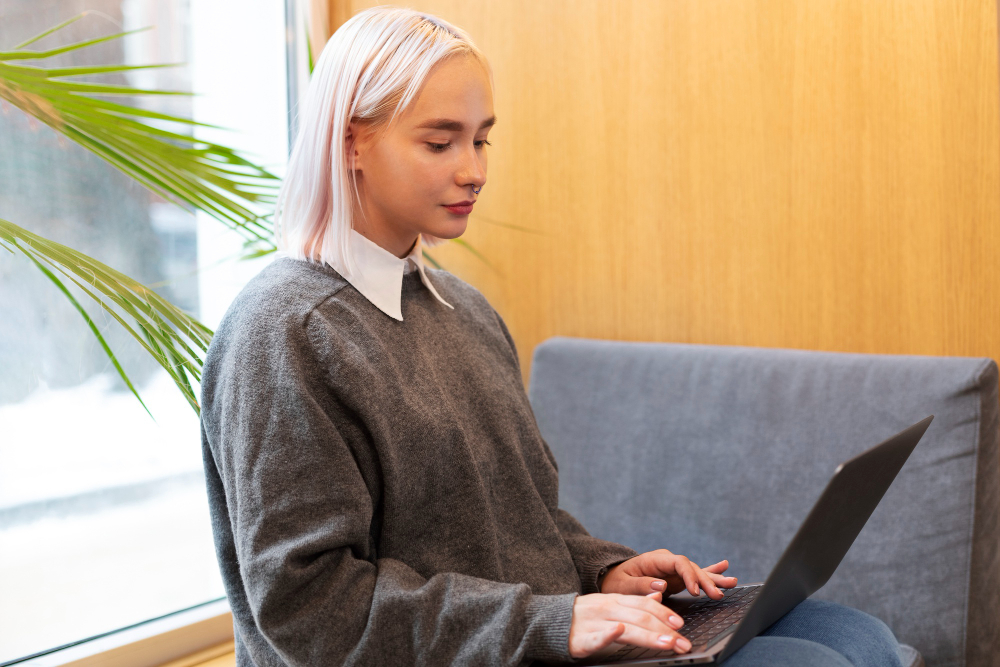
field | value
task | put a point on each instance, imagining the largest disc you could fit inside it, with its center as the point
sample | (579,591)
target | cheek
(432,175)
(416,183)
(421,168)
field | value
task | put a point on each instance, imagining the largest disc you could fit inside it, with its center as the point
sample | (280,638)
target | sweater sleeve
(591,556)
(301,519)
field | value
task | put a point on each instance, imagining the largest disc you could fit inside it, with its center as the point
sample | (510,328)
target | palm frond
(309,50)
(436,264)
(178,167)
(176,340)
(507,225)
(468,246)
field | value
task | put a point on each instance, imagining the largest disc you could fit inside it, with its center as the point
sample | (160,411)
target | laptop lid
(843,509)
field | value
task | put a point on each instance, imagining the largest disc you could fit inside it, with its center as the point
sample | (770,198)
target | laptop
(719,628)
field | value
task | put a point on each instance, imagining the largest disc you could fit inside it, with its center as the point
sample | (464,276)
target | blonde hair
(369,71)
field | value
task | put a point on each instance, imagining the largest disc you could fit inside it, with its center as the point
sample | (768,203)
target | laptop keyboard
(705,622)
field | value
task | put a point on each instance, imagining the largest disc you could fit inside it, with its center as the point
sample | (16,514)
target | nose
(473,168)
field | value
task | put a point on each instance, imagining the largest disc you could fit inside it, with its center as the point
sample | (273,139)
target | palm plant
(176,166)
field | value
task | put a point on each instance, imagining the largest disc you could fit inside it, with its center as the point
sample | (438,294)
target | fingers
(648,612)
(708,579)
(689,573)
(718,568)
(645,585)
(715,572)
(600,641)
(723,582)
(709,586)
(601,620)
(650,623)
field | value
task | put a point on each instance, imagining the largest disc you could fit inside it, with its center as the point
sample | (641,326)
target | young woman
(380,491)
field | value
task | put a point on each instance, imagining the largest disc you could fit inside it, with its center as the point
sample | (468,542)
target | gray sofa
(719,452)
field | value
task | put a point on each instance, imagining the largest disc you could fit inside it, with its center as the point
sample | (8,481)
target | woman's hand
(600,619)
(662,570)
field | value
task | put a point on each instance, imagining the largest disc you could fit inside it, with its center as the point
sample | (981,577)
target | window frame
(173,637)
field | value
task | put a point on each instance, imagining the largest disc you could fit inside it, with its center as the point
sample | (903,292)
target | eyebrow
(454,125)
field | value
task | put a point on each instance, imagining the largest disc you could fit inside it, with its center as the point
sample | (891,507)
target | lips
(459,209)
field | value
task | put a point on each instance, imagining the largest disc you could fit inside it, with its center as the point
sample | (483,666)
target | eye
(439,148)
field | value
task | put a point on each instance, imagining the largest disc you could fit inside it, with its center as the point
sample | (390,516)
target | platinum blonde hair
(370,70)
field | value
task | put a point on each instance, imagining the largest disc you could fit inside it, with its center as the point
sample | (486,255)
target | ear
(352,147)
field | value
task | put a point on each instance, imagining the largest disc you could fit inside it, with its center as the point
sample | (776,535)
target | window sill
(198,630)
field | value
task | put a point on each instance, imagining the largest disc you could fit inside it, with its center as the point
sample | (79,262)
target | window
(103,517)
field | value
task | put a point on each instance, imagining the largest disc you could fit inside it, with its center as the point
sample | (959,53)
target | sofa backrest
(719,452)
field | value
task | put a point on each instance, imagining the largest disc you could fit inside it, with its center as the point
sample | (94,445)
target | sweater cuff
(598,565)
(548,619)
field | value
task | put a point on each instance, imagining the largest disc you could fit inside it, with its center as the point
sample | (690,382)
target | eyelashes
(439,148)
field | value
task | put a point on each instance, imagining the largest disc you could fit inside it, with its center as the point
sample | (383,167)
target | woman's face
(433,155)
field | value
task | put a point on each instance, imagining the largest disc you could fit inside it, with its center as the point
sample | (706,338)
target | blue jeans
(818,633)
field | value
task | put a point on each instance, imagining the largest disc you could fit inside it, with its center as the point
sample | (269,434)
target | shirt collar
(379,275)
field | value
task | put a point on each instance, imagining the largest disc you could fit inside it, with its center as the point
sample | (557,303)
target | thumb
(644,585)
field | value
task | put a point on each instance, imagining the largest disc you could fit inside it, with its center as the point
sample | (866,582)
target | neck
(400,246)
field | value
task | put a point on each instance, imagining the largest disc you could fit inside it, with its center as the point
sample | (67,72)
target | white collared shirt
(379,275)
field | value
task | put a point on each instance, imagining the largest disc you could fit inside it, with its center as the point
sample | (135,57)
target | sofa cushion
(719,452)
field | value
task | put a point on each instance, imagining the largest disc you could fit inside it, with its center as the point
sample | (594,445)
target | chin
(429,240)
(442,235)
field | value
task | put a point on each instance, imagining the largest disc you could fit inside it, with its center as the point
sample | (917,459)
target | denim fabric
(819,633)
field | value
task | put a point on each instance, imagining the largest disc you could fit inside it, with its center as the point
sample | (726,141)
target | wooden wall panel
(812,174)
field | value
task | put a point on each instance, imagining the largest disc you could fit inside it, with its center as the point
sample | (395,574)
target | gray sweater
(380,492)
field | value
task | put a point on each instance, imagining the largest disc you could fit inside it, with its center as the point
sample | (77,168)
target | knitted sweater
(380,492)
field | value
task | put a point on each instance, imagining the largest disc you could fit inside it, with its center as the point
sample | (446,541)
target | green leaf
(255,254)
(507,225)
(178,167)
(19,54)
(175,339)
(309,50)
(90,323)
(468,246)
(430,259)
(51,30)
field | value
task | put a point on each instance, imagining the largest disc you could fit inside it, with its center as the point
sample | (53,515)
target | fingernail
(675,621)
(665,639)
(658,585)
(683,644)
(649,595)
